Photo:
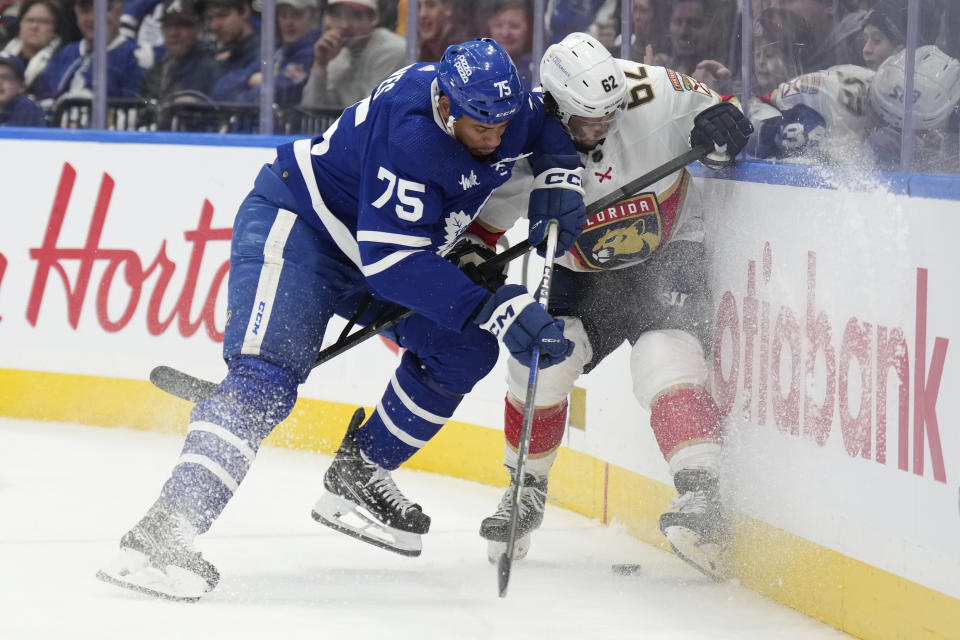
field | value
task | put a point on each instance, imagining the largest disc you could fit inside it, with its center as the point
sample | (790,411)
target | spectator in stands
(648,27)
(298,26)
(781,45)
(695,47)
(141,22)
(511,24)
(8,20)
(16,109)
(884,32)
(597,17)
(70,72)
(38,40)
(188,64)
(352,57)
(239,46)
(435,28)
(837,28)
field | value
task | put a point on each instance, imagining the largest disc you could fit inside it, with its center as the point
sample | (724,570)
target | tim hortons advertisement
(115,259)
(835,364)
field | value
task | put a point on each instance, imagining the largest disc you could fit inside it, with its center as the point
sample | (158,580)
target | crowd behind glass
(823,80)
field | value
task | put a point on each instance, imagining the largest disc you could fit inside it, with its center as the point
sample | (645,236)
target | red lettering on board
(50,257)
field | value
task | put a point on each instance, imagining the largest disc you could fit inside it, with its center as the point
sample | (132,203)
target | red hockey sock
(681,415)
(547,430)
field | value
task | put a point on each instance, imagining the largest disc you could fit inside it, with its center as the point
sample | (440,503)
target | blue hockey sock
(224,435)
(411,411)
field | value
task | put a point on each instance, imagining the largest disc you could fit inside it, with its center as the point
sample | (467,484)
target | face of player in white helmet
(588,132)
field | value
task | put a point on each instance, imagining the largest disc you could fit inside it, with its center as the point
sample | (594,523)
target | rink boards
(834,358)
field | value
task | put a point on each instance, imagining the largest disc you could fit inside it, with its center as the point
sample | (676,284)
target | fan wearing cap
(16,109)
(357,221)
(298,28)
(70,72)
(353,55)
(188,64)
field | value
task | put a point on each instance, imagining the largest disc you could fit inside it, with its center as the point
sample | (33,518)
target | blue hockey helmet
(481,81)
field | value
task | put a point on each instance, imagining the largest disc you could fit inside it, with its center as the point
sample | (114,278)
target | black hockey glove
(469,254)
(725,126)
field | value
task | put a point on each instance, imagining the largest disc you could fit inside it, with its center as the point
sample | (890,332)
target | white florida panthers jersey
(654,128)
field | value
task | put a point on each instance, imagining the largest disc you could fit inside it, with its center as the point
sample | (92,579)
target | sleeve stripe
(338,231)
(393,238)
(385,263)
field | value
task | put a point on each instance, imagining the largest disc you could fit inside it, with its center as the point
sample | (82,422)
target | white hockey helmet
(582,78)
(936,88)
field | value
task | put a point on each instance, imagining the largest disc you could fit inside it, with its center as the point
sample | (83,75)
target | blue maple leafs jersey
(393,190)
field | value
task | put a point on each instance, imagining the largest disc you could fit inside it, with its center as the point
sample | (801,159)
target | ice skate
(157,558)
(697,528)
(362,501)
(495,529)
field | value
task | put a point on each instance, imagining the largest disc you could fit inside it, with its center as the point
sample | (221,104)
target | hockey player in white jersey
(851,114)
(637,274)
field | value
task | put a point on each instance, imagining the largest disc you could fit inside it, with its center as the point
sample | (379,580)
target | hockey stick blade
(183,385)
(503,574)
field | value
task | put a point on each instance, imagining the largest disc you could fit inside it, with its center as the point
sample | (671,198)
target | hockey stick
(194,389)
(526,426)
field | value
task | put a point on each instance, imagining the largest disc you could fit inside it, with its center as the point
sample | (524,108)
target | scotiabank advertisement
(835,359)
(836,362)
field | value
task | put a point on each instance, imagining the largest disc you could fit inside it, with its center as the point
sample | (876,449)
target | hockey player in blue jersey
(368,208)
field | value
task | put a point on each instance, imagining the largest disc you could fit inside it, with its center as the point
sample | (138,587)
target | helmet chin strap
(448,125)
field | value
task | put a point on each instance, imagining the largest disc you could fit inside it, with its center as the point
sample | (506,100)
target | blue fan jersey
(392,191)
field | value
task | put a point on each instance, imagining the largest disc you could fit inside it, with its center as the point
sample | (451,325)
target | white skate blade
(496,549)
(134,572)
(710,559)
(355,521)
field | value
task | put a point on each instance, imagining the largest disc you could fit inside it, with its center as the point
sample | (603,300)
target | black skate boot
(496,528)
(157,558)
(362,501)
(697,528)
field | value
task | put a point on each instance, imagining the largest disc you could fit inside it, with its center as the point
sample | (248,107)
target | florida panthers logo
(629,240)
(624,233)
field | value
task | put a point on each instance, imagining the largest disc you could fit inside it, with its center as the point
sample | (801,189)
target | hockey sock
(411,411)
(683,415)
(224,435)
(545,435)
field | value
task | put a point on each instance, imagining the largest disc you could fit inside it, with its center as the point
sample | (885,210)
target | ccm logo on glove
(513,316)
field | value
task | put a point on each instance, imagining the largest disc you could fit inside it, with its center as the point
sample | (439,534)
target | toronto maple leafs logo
(469,181)
(453,227)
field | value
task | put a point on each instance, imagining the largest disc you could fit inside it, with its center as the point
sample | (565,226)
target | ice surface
(68,492)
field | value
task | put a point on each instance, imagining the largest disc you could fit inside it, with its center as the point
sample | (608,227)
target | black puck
(625,569)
